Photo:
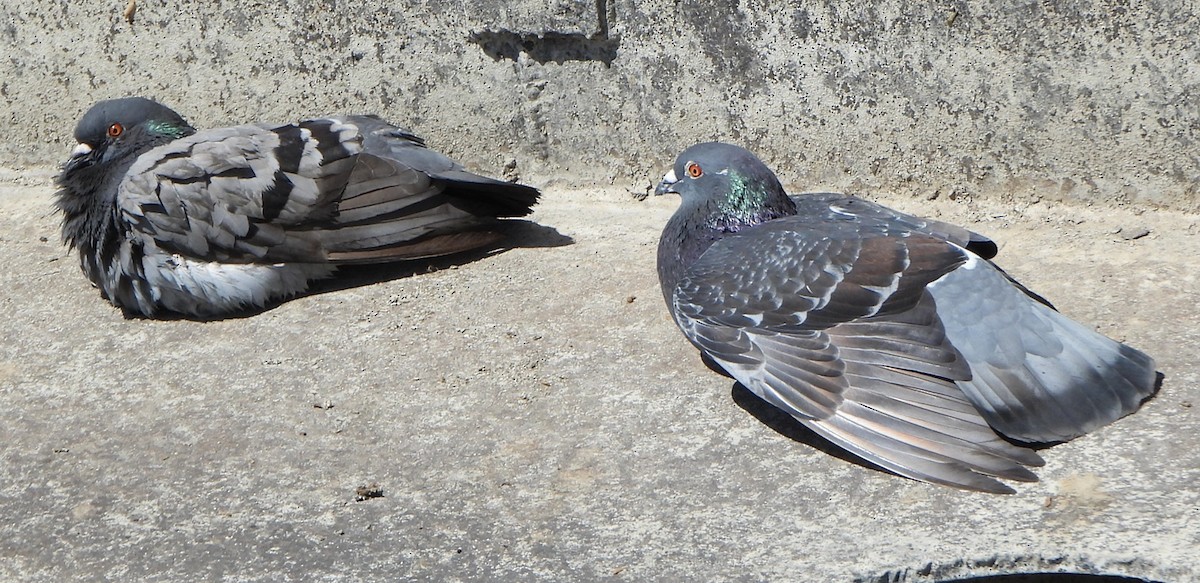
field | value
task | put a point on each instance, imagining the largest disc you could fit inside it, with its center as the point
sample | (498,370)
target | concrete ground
(534,415)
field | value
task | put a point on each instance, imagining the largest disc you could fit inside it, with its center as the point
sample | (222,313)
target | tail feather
(1037,376)
(390,211)
(485,196)
(473,193)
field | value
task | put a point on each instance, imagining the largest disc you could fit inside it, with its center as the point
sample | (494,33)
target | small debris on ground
(373,490)
(1133,233)
(510,171)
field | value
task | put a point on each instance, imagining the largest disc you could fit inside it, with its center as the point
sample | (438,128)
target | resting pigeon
(890,335)
(206,223)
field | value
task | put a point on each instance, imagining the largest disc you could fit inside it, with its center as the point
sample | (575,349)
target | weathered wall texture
(1092,100)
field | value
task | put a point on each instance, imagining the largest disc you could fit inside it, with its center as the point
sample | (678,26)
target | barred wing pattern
(830,321)
(1036,375)
(235,217)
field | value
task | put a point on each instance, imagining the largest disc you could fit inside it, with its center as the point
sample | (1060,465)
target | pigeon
(168,219)
(894,337)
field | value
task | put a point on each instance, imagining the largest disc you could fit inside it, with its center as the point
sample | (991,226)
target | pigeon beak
(78,155)
(81,150)
(667,183)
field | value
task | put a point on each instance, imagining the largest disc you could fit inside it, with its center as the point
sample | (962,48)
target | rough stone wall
(1087,100)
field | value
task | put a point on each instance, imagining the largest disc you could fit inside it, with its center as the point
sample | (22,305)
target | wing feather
(304,192)
(851,345)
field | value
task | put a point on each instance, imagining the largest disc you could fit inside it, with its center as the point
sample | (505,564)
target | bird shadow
(789,427)
(518,233)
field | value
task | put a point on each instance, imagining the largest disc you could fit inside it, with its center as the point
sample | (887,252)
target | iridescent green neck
(749,203)
(168,129)
(744,198)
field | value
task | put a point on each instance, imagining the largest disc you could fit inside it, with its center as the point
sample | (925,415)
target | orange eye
(694,170)
(115,130)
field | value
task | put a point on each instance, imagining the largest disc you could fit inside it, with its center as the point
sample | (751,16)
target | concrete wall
(1093,100)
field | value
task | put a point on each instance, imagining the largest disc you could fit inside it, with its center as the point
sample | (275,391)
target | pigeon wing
(804,273)
(834,206)
(830,322)
(302,192)
(901,417)
(245,194)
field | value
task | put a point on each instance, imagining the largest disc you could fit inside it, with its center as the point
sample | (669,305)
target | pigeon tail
(472,193)
(390,211)
(1037,376)
(485,196)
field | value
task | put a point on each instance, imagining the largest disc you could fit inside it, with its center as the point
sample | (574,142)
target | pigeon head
(728,184)
(724,189)
(111,135)
(118,128)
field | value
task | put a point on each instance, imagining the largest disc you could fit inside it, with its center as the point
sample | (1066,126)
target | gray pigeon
(894,337)
(206,223)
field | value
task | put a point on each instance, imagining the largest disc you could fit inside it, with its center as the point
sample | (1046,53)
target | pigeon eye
(115,130)
(694,170)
